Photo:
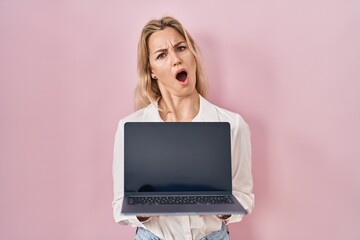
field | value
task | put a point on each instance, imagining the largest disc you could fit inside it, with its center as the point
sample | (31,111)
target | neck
(179,109)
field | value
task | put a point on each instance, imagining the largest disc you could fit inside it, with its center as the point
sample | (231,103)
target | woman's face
(172,63)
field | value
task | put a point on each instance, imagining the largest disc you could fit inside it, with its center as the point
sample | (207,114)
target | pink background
(67,74)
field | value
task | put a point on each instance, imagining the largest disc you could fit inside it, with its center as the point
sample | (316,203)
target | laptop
(178,168)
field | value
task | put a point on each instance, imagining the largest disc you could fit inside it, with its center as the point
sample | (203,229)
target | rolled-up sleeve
(242,181)
(118,180)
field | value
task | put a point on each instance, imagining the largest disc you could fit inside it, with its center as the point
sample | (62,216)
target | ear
(153,76)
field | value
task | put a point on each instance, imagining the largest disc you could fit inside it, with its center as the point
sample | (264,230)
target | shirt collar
(207,112)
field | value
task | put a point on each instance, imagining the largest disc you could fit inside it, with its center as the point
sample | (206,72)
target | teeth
(181,76)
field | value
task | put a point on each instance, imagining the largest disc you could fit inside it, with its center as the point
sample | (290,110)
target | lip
(186,81)
(180,70)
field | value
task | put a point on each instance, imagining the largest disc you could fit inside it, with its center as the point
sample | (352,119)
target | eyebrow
(165,49)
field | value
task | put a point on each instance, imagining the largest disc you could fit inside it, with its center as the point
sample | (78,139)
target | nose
(175,58)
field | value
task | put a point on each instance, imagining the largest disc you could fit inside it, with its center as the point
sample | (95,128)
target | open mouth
(181,76)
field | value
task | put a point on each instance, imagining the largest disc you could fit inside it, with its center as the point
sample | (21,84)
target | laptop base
(182,209)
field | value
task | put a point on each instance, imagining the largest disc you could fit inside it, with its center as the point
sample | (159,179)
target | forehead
(164,38)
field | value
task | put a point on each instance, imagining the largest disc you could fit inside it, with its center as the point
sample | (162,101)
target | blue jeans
(222,234)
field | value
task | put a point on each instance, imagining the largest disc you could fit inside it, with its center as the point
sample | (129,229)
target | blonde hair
(147,90)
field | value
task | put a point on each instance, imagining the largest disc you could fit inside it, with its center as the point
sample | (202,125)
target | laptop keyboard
(180,200)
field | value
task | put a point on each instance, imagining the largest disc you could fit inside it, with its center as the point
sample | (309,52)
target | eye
(161,56)
(181,48)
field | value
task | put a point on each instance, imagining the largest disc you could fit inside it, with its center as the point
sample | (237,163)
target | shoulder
(141,115)
(239,128)
(237,122)
(133,117)
(235,119)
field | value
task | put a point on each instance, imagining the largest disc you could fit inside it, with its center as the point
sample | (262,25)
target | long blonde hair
(147,90)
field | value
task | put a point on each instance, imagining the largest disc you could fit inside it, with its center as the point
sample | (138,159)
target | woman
(171,88)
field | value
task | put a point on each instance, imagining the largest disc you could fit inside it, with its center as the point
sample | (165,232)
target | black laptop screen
(177,157)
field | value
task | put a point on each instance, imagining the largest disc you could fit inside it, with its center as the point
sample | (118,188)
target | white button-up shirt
(193,226)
